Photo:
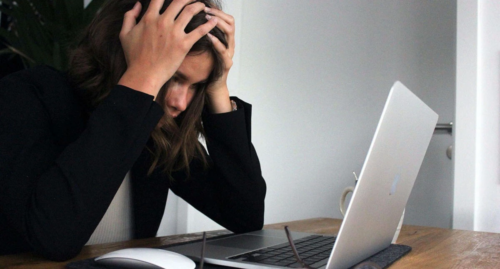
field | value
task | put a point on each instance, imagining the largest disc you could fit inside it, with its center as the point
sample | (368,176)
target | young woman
(146,81)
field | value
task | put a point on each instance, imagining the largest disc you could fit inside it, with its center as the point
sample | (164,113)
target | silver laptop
(386,180)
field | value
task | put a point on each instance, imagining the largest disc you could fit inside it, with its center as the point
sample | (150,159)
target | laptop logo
(394,184)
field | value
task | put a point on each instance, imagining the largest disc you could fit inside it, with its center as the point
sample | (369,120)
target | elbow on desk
(59,253)
(247,227)
(248,222)
(254,220)
(56,247)
(56,242)
(255,226)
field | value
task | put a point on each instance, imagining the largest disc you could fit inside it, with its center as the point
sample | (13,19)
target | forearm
(219,102)
(56,197)
(235,200)
(241,195)
(232,191)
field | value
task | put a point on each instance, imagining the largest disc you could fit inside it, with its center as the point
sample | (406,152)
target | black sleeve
(232,190)
(54,195)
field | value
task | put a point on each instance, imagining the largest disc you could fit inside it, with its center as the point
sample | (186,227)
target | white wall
(488,131)
(317,74)
(289,72)
(477,173)
(465,131)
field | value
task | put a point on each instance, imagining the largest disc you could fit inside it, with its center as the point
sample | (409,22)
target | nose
(178,97)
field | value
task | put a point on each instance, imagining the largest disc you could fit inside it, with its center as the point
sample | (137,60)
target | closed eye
(199,86)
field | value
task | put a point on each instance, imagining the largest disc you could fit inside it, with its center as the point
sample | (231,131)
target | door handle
(445,127)
(448,127)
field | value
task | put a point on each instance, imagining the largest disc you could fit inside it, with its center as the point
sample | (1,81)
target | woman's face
(194,71)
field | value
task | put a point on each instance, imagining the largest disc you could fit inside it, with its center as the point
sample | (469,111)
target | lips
(171,112)
(174,115)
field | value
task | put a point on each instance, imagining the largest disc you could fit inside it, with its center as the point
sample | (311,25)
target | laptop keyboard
(314,250)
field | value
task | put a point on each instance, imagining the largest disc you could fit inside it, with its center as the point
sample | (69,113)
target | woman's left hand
(217,91)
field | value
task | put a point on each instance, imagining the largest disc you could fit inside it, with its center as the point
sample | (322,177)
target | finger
(188,13)
(219,46)
(130,18)
(175,8)
(201,30)
(222,25)
(228,30)
(155,7)
(225,24)
(219,13)
(227,55)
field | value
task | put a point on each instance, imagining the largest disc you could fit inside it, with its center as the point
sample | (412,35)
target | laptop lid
(385,182)
(391,166)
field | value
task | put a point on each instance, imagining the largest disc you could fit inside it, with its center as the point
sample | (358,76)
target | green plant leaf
(56,56)
(10,55)
(7,35)
(8,2)
(5,10)
(20,27)
(43,30)
(74,11)
(32,36)
(61,16)
(19,52)
(91,10)
(6,51)
(45,8)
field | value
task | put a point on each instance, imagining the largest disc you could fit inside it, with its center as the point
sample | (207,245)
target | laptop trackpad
(246,241)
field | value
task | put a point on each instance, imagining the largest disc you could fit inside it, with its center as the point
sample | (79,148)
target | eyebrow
(184,77)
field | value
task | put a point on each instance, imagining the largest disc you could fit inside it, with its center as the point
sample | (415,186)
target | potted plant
(42,31)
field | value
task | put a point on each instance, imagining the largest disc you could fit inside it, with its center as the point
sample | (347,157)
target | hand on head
(217,91)
(156,46)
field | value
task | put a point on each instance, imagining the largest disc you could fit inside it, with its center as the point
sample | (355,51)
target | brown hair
(98,62)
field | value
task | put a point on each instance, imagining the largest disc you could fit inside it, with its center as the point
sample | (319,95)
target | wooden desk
(432,247)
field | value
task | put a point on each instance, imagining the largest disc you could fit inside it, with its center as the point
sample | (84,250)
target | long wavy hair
(98,62)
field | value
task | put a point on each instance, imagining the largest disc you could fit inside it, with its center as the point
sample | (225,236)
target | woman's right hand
(155,47)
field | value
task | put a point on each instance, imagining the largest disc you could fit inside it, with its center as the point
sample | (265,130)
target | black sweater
(60,169)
